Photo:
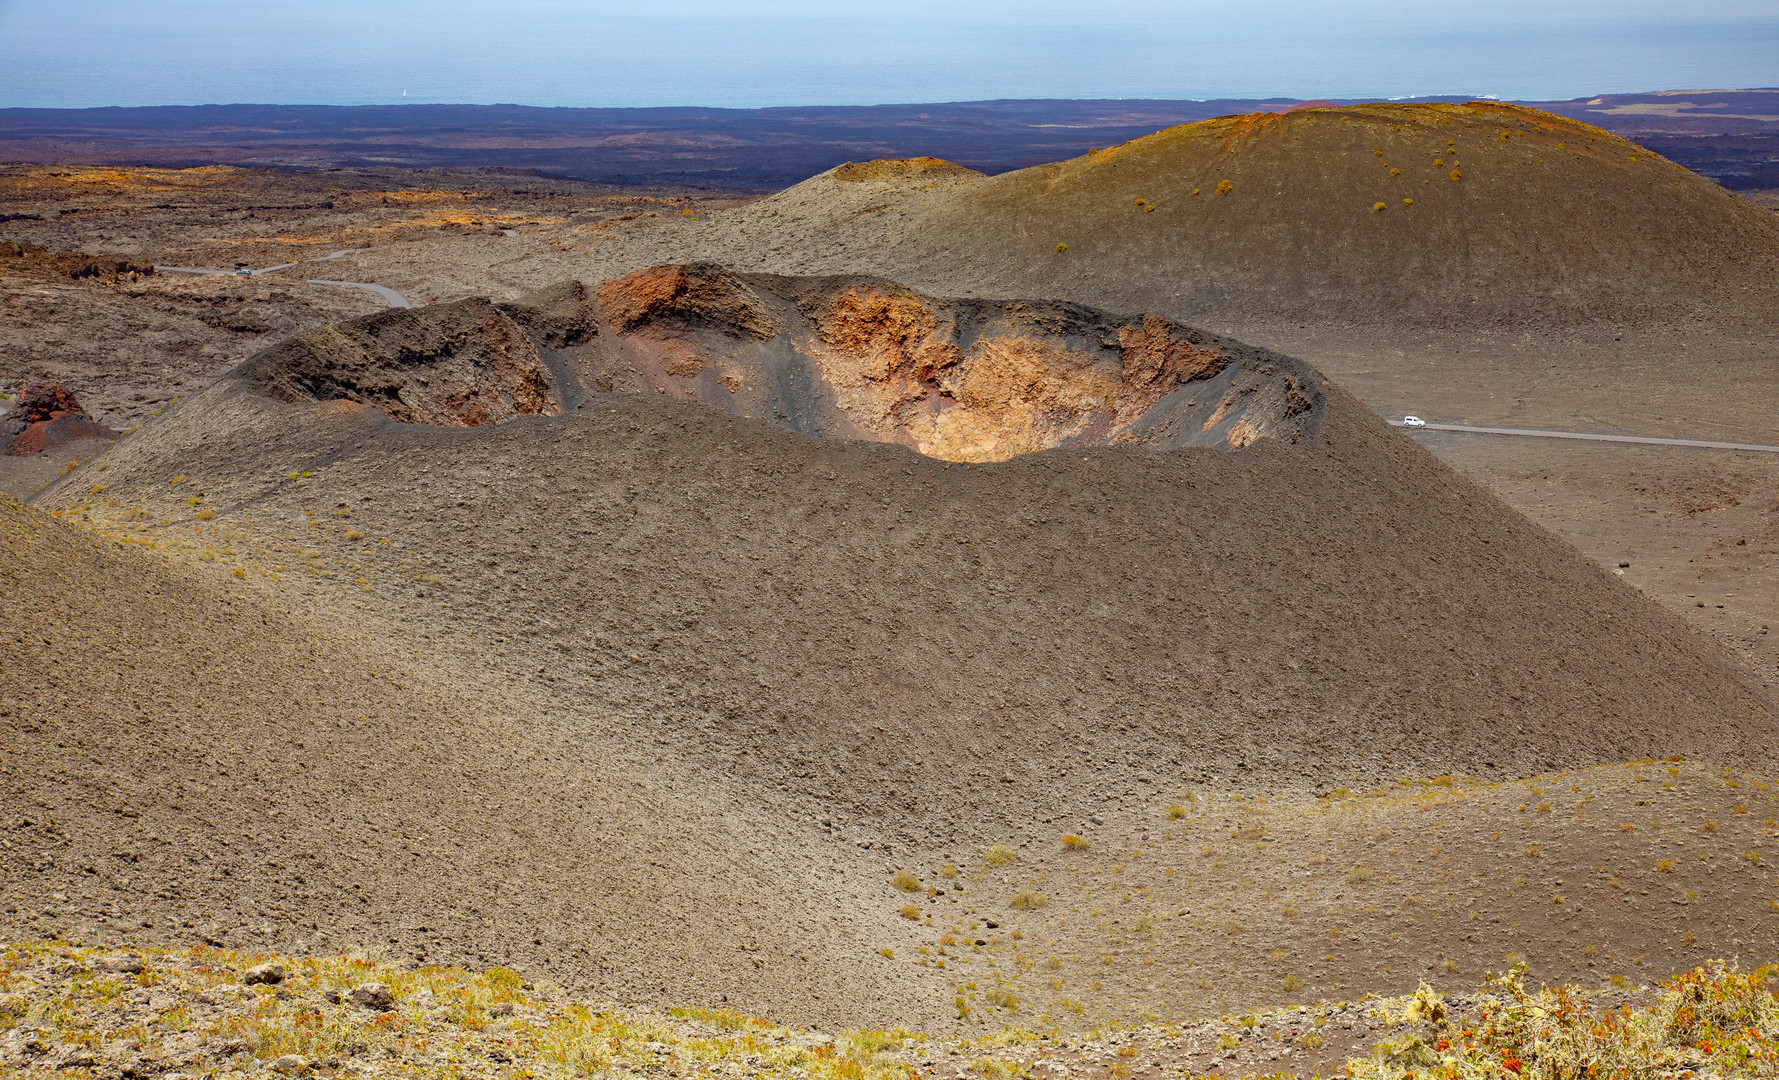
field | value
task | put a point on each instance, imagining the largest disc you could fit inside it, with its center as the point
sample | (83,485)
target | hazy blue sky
(795,52)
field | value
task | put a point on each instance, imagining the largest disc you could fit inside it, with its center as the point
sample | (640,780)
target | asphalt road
(1702,444)
(395,299)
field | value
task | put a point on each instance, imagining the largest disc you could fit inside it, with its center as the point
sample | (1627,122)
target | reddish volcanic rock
(47,416)
(45,401)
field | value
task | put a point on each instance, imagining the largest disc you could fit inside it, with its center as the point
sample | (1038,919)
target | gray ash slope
(954,649)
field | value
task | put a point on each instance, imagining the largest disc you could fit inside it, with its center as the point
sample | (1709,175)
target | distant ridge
(1731,136)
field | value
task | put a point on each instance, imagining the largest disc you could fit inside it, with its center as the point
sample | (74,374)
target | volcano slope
(182,759)
(718,650)
(1480,214)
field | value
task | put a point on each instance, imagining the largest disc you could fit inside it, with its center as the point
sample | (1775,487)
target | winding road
(1649,440)
(394,299)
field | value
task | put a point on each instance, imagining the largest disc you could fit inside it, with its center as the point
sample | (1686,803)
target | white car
(1413,421)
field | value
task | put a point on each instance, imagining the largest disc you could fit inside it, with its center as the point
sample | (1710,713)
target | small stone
(291,1065)
(374,996)
(124,964)
(263,974)
(504,1008)
(331,996)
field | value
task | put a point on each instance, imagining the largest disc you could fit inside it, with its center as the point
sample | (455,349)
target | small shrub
(1378,206)
(1224,187)
(194,500)
(1408,202)
(1358,875)
(1027,900)
(887,954)
(999,855)
(905,881)
(1060,248)
(1292,984)
(910,912)
(1004,998)
(206,514)
(1457,175)
(1176,812)
(1664,866)
(1073,842)
(948,871)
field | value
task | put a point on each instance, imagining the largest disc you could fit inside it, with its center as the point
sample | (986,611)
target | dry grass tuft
(1713,1020)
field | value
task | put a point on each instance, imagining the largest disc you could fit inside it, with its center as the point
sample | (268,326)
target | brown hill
(1334,601)
(656,698)
(1477,213)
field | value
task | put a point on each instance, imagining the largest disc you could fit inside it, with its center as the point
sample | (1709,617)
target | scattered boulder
(374,996)
(45,401)
(121,965)
(263,974)
(46,416)
(291,1065)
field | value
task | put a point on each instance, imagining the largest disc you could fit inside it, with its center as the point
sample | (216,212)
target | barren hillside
(1478,214)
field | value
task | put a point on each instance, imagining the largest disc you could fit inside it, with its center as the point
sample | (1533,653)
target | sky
(752,53)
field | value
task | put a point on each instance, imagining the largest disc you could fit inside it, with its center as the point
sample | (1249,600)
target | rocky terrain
(907,676)
(1093,665)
